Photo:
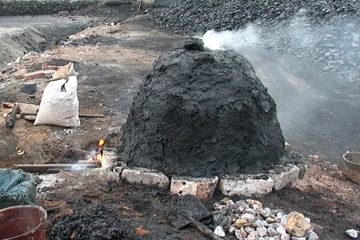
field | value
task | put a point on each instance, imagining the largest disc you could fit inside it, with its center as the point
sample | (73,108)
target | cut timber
(39,74)
(10,118)
(45,66)
(46,168)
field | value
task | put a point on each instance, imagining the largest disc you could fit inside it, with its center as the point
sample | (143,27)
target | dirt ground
(111,64)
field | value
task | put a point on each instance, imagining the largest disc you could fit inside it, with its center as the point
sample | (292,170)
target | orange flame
(101,142)
(141,231)
(100,150)
(99,157)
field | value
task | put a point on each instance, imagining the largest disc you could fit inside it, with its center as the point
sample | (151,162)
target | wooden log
(45,66)
(38,74)
(56,167)
(10,119)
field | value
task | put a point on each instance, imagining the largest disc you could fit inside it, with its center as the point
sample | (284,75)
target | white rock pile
(249,220)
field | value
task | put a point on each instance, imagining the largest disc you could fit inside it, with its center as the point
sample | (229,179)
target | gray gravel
(324,32)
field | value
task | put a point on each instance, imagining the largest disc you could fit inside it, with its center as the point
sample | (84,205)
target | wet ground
(112,60)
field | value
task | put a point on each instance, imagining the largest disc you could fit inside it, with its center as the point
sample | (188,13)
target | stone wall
(38,7)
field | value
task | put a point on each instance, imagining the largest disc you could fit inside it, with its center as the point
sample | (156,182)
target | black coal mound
(93,223)
(191,16)
(202,113)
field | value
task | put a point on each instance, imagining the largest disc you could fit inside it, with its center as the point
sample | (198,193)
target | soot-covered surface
(202,113)
(186,208)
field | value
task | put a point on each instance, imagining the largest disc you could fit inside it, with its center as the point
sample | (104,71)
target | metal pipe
(46,168)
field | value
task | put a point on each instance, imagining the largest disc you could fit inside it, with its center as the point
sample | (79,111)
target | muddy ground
(112,60)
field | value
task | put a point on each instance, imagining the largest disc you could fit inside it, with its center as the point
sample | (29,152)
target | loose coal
(94,222)
(202,113)
(199,16)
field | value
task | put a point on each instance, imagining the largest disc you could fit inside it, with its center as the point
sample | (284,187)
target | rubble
(249,220)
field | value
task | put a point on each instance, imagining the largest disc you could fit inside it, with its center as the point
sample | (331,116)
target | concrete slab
(284,176)
(246,185)
(145,176)
(202,188)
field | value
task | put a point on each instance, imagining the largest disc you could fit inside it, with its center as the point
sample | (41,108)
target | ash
(93,223)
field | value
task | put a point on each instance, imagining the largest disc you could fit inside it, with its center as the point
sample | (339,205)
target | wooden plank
(38,74)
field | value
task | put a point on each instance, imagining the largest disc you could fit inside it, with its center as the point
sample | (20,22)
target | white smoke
(77,167)
(333,46)
(306,68)
(234,40)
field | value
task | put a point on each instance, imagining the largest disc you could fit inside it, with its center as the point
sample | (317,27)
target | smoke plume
(311,71)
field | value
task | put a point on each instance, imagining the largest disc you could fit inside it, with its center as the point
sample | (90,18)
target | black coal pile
(202,113)
(94,223)
(324,32)
(191,16)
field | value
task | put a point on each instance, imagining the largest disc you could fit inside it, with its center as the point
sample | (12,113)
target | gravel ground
(324,32)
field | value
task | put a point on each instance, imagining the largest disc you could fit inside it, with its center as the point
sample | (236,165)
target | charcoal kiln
(202,113)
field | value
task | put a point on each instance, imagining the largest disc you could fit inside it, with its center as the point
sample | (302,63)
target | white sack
(59,104)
